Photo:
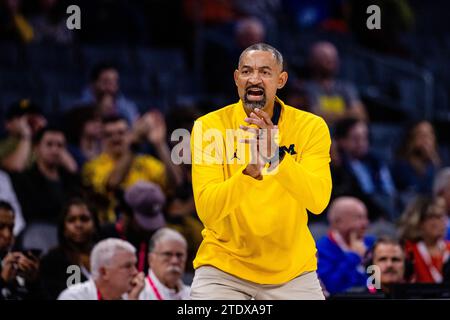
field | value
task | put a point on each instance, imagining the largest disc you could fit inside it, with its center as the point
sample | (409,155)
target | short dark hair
(386,240)
(40,134)
(5,205)
(264,47)
(343,127)
(97,70)
(112,119)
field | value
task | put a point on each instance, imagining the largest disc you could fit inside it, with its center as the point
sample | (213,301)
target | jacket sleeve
(309,179)
(215,196)
(339,273)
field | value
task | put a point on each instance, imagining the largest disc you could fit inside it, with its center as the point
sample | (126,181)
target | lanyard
(155,290)
(423,251)
(99,295)
(338,240)
(142,256)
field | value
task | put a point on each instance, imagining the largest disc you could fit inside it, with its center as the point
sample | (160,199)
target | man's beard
(255,104)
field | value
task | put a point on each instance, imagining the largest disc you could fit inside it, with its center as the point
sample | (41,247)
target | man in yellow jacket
(257,165)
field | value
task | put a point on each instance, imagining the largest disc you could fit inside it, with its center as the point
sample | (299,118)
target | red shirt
(422,271)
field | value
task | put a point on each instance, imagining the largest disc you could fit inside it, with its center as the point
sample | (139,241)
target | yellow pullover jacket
(257,229)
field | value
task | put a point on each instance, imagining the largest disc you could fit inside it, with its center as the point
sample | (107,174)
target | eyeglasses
(167,255)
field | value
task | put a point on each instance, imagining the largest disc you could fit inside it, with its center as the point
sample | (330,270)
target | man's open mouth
(255,94)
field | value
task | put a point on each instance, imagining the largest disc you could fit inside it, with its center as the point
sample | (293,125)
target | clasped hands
(264,147)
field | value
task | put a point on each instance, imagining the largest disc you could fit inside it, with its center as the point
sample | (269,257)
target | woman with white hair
(114,274)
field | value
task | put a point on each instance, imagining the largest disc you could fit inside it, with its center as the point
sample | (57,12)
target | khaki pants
(211,283)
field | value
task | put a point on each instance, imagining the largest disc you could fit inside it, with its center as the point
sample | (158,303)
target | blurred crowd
(89,193)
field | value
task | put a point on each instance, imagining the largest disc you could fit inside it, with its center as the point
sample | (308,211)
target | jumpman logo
(235,155)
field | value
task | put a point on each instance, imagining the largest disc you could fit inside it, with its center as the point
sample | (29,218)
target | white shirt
(150,293)
(82,291)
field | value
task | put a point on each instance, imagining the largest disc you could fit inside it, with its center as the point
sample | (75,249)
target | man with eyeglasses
(167,260)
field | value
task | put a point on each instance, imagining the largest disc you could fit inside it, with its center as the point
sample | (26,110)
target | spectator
(13,24)
(23,120)
(45,187)
(423,227)
(389,256)
(181,213)
(83,134)
(167,260)
(142,216)
(119,166)
(357,171)
(19,278)
(114,274)
(77,233)
(418,160)
(247,31)
(327,96)
(8,194)
(104,84)
(441,188)
(49,24)
(341,252)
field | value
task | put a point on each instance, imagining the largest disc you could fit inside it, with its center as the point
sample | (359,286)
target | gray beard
(254,104)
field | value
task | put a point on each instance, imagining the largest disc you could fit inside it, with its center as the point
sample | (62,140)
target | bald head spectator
(104,91)
(167,260)
(441,188)
(341,252)
(218,47)
(327,96)
(249,31)
(114,274)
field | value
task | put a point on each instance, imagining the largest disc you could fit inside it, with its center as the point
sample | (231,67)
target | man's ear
(103,272)
(150,259)
(235,75)
(282,79)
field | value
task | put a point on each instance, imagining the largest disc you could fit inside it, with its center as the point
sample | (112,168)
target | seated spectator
(23,120)
(417,160)
(181,213)
(105,83)
(83,133)
(167,260)
(77,233)
(341,252)
(246,31)
(423,227)
(114,274)
(141,217)
(389,256)
(441,188)
(8,194)
(327,96)
(358,172)
(49,24)
(119,166)
(19,270)
(43,189)
(13,24)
